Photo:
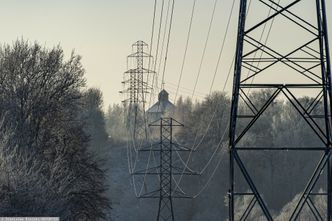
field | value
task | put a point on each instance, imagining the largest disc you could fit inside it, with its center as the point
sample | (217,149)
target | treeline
(49,128)
(280,176)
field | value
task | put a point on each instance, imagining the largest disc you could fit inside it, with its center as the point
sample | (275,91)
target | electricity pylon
(137,87)
(300,50)
(166,169)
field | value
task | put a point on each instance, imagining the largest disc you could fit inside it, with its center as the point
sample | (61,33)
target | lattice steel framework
(308,59)
(166,169)
(137,87)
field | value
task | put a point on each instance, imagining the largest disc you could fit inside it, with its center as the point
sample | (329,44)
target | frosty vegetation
(46,122)
(55,141)
(280,176)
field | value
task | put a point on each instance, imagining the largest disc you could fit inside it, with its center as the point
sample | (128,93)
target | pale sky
(102,32)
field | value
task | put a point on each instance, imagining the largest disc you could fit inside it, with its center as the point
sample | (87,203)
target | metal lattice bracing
(136,88)
(165,169)
(293,62)
(165,210)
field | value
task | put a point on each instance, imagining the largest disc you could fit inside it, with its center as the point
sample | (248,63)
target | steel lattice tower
(308,59)
(166,169)
(137,87)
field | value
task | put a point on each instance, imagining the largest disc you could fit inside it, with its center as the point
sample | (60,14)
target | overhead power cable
(163,43)
(195,147)
(159,32)
(222,47)
(186,47)
(205,46)
(155,84)
(219,161)
(152,35)
(167,45)
(131,164)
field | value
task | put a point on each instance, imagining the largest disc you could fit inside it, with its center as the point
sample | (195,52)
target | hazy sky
(102,31)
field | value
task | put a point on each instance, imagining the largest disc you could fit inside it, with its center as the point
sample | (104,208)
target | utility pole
(166,170)
(307,61)
(136,88)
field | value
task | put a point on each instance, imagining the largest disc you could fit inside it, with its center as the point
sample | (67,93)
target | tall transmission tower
(136,88)
(298,54)
(166,169)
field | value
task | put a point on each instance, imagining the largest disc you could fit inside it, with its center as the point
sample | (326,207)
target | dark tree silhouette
(46,169)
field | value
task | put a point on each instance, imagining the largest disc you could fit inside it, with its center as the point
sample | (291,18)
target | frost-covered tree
(206,121)
(93,116)
(115,123)
(46,169)
(306,213)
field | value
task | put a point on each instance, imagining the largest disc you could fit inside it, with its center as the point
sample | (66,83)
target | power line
(205,46)
(209,179)
(222,46)
(225,83)
(220,142)
(152,35)
(157,47)
(163,41)
(186,48)
(166,169)
(210,159)
(159,31)
(155,80)
(195,147)
(131,165)
(167,45)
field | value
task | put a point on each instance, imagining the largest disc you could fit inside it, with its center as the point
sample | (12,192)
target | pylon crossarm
(147,171)
(142,54)
(179,147)
(179,195)
(278,148)
(152,194)
(185,171)
(155,123)
(176,123)
(141,70)
(151,147)
(296,86)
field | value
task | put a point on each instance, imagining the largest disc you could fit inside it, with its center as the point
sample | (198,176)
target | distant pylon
(136,87)
(166,191)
